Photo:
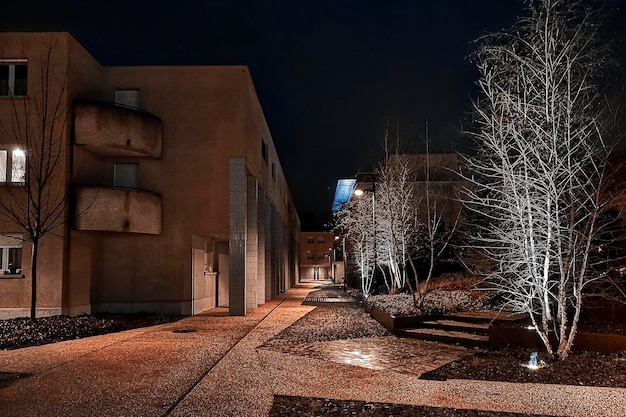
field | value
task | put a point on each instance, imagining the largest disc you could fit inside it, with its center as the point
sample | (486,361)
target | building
(317,258)
(177,202)
(437,173)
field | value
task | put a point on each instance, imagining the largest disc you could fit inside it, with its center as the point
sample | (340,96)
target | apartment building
(175,199)
(316,256)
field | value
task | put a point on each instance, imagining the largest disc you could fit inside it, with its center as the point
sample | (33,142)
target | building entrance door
(209,287)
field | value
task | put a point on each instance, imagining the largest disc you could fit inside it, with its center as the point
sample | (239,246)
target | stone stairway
(465,329)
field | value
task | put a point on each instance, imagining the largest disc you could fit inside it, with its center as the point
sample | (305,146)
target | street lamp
(371,178)
(330,262)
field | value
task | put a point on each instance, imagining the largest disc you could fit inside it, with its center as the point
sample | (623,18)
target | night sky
(330,75)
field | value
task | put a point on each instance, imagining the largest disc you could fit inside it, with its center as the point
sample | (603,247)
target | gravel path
(243,366)
(327,322)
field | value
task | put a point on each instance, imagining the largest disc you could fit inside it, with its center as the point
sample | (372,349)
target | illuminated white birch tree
(355,221)
(397,224)
(541,162)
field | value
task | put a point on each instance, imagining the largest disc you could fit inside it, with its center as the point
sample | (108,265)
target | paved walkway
(210,365)
(386,353)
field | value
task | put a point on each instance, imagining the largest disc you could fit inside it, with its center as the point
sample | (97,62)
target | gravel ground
(309,407)
(435,302)
(348,321)
(328,322)
(23,332)
(338,321)
(508,366)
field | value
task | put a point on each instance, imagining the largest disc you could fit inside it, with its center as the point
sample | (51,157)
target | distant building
(316,256)
(178,200)
(442,181)
(343,193)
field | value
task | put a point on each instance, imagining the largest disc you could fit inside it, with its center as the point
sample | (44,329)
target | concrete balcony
(113,209)
(114,130)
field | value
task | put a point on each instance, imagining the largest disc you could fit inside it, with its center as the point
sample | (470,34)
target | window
(13,78)
(4,165)
(18,165)
(12,166)
(264,149)
(309,239)
(128,98)
(10,254)
(274,171)
(320,239)
(126,175)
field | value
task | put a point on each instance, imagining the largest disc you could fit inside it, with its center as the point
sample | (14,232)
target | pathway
(216,368)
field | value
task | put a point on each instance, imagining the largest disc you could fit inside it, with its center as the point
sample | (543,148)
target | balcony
(111,209)
(115,130)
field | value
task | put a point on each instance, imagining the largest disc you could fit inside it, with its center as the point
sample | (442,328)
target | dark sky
(330,75)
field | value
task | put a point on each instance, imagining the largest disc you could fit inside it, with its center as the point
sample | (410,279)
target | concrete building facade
(316,256)
(176,200)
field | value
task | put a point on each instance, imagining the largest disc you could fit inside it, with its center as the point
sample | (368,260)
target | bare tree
(356,222)
(412,224)
(381,225)
(394,223)
(538,175)
(397,224)
(37,126)
(436,235)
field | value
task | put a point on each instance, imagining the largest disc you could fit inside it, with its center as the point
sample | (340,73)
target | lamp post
(371,178)
(331,261)
(339,259)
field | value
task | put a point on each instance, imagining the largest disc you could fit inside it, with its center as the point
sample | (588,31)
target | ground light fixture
(533,364)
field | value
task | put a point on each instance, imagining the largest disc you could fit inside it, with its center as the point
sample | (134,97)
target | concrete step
(460,326)
(446,336)
(467,329)
(487,316)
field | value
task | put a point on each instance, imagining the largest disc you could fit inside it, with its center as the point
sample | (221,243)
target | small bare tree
(436,235)
(355,220)
(397,224)
(538,175)
(37,123)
